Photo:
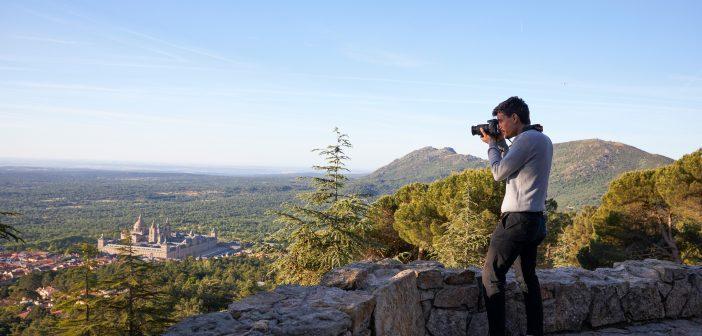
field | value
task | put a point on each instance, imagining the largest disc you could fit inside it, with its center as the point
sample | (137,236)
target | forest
(59,208)
(128,297)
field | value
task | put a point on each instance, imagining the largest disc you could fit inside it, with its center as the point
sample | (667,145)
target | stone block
(465,297)
(398,310)
(447,322)
(429,278)
(459,277)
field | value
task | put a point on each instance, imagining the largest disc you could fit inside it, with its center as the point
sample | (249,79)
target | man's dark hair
(514,105)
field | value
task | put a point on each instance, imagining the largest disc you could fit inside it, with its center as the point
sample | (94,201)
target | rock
(676,298)
(458,296)
(642,301)
(417,264)
(429,278)
(447,322)
(606,307)
(360,309)
(390,262)
(213,324)
(263,325)
(566,299)
(362,275)
(478,325)
(257,303)
(460,277)
(299,310)
(693,306)
(515,313)
(427,294)
(400,294)
(674,327)
(426,310)
(313,321)
(352,276)
(658,270)
(380,277)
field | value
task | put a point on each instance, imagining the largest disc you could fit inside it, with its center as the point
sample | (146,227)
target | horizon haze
(261,84)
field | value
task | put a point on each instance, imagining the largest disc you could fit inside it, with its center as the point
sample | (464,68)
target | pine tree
(637,219)
(573,241)
(134,301)
(444,217)
(680,186)
(8,232)
(417,219)
(644,214)
(78,316)
(471,201)
(466,238)
(381,218)
(327,230)
(556,222)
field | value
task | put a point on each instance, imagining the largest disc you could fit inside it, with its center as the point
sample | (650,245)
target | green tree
(328,230)
(644,214)
(556,222)
(381,216)
(466,238)
(474,188)
(8,232)
(472,201)
(187,307)
(680,186)
(76,306)
(417,220)
(637,219)
(574,239)
(134,302)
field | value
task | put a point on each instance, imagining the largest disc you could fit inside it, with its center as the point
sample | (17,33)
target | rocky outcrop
(424,298)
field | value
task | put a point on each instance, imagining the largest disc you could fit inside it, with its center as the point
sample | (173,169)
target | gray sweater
(526,166)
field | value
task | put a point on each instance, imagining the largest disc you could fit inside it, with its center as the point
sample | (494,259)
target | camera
(490,128)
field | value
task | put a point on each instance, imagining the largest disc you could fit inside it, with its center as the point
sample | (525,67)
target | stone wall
(424,298)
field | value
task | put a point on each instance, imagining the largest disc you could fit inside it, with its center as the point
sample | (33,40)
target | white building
(160,242)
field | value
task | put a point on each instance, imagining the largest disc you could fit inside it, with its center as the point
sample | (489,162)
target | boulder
(642,301)
(429,278)
(213,324)
(465,297)
(447,322)
(397,309)
(459,277)
(478,325)
(305,310)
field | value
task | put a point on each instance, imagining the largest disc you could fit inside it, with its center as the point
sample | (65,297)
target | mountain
(580,173)
(422,165)
(582,169)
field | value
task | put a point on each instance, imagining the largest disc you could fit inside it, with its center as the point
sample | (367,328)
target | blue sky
(264,82)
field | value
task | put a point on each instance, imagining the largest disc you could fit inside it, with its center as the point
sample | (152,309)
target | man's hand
(486,138)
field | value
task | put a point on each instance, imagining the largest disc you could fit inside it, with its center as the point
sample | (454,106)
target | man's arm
(513,160)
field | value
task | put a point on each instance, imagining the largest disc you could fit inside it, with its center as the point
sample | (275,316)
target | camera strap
(536,127)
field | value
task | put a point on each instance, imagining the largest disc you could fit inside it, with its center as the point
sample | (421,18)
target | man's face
(509,126)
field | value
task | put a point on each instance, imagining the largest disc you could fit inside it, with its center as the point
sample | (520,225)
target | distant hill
(582,169)
(422,165)
(580,173)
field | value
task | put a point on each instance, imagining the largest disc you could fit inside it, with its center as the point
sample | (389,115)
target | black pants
(516,236)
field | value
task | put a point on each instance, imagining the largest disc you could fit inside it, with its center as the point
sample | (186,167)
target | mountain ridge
(580,173)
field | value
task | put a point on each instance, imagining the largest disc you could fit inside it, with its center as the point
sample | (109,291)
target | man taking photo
(525,166)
